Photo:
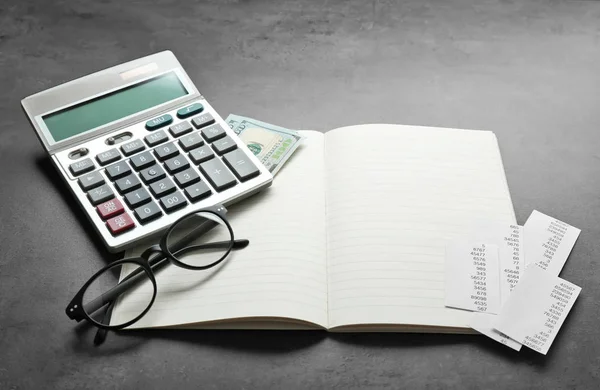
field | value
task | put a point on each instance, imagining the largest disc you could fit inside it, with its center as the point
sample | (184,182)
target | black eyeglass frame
(75,310)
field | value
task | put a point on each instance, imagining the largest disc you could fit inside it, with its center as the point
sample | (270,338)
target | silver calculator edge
(105,81)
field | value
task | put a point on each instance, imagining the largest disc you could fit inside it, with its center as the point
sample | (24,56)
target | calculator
(139,147)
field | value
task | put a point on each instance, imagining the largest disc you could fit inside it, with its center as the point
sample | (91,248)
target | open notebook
(350,236)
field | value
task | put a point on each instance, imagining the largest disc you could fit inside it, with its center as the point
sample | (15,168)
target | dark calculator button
(156,138)
(213,133)
(159,122)
(203,121)
(100,194)
(91,180)
(224,145)
(108,157)
(147,213)
(218,175)
(110,208)
(118,170)
(166,151)
(132,147)
(241,165)
(152,174)
(142,160)
(201,154)
(162,187)
(176,164)
(180,129)
(128,183)
(190,110)
(191,141)
(137,197)
(186,178)
(197,191)
(120,224)
(173,202)
(81,167)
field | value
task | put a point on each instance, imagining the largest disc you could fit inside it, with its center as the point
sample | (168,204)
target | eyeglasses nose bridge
(150,251)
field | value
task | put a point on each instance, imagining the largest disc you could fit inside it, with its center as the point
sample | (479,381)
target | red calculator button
(110,208)
(120,224)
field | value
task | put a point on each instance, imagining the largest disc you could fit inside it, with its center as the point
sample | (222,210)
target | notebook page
(396,195)
(280,274)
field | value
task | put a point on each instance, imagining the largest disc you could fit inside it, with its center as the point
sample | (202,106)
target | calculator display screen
(114,106)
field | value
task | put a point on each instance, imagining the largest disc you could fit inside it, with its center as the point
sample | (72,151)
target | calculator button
(191,141)
(110,208)
(156,138)
(173,202)
(148,212)
(193,109)
(186,178)
(203,121)
(162,187)
(81,167)
(120,224)
(142,160)
(197,191)
(176,164)
(118,170)
(91,180)
(128,183)
(180,129)
(100,194)
(224,145)
(241,165)
(132,147)
(218,175)
(159,122)
(201,154)
(137,197)
(213,133)
(166,151)
(152,174)
(108,157)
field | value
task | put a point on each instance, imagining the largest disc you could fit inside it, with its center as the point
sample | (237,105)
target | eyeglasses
(197,241)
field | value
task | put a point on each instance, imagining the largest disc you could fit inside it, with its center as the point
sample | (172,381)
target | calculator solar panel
(137,173)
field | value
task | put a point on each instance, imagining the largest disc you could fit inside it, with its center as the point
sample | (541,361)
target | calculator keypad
(108,157)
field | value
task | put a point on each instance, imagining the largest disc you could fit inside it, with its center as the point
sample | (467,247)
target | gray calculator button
(176,164)
(203,120)
(197,191)
(191,141)
(162,187)
(132,147)
(156,138)
(148,212)
(218,175)
(173,202)
(118,170)
(213,133)
(166,151)
(202,154)
(81,167)
(224,145)
(152,174)
(137,197)
(180,129)
(186,178)
(241,165)
(91,180)
(142,160)
(128,183)
(100,194)
(109,156)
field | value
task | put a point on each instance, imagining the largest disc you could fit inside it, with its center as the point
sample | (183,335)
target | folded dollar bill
(273,145)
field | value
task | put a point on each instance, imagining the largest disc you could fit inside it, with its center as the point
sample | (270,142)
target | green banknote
(273,145)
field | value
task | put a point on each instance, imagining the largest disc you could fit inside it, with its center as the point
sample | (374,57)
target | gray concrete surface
(528,70)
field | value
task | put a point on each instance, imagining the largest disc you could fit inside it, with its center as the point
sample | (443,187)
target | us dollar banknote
(273,145)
